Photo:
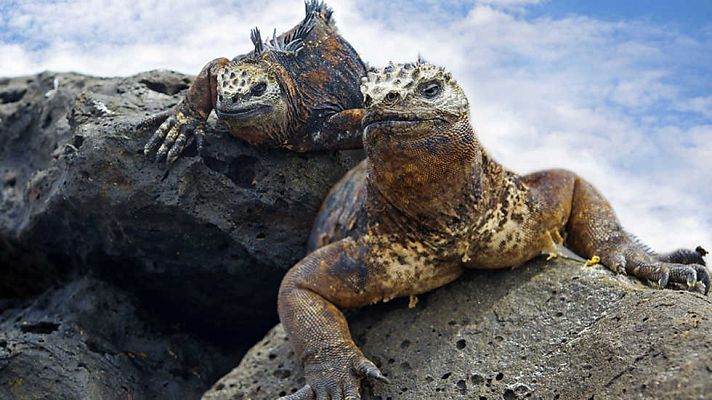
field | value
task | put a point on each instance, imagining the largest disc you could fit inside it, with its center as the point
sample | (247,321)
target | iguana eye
(391,97)
(430,90)
(258,89)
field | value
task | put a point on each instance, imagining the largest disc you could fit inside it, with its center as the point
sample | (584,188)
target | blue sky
(618,91)
(686,15)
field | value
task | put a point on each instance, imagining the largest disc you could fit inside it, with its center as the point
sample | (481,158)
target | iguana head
(413,108)
(255,92)
(251,98)
(416,130)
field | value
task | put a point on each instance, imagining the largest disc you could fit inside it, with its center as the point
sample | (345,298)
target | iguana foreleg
(341,131)
(333,276)
(187,120)
(594,231)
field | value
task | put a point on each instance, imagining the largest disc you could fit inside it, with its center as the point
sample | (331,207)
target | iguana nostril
(367,100)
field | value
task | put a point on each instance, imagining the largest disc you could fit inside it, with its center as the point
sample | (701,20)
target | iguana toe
(337,377)
(668,274)
(159,135)
(367,369)
(153,119)
(173,136)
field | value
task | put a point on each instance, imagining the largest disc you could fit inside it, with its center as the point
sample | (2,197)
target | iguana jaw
(403,124)
(243,113)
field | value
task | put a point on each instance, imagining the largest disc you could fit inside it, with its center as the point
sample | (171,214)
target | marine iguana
(428,203)
(298,91)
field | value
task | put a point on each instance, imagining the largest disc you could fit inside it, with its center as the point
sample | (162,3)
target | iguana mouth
(372,120)
(243,112)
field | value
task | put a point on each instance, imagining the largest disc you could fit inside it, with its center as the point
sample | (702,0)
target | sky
(618,91)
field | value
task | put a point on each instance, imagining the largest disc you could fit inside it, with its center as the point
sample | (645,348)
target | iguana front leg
(350,273)
(187,120)
(593,231)
(333,276)
(340,131)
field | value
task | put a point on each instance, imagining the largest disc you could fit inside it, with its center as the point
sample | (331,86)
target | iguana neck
(435,181)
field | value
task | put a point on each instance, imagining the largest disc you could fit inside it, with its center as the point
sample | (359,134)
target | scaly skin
(298,91)
(427,204)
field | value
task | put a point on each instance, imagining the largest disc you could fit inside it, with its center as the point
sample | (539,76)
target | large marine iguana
(427,204)
(298,90)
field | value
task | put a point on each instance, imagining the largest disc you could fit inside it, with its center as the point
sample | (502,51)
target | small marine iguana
(298,91)
(427,204)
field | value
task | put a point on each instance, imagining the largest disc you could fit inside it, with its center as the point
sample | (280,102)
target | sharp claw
(703,279)
(664,278)
(178,146)
(369,370)
(147,149)
(172,157)
(691,283)
(376,374)
(199,136)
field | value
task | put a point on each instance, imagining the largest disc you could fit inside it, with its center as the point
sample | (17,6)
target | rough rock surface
(204,244)
(87,341)
(549,330)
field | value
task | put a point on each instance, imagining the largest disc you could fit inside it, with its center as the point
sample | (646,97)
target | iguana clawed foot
(336,377)
(174,135)
(682,269)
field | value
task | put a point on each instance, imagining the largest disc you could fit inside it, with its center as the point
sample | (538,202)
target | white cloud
(605,99)
(702,105)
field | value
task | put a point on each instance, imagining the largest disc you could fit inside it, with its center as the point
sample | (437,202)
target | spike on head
(318,8)
(256,38)
(293,42)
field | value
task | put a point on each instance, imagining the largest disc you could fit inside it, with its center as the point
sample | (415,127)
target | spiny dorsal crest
(293,42)
(256,38)
(402,79)
(318,8)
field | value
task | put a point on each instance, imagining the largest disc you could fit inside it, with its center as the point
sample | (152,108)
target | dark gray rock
(88,341)
(550,330)
(204,244)
(33,130)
